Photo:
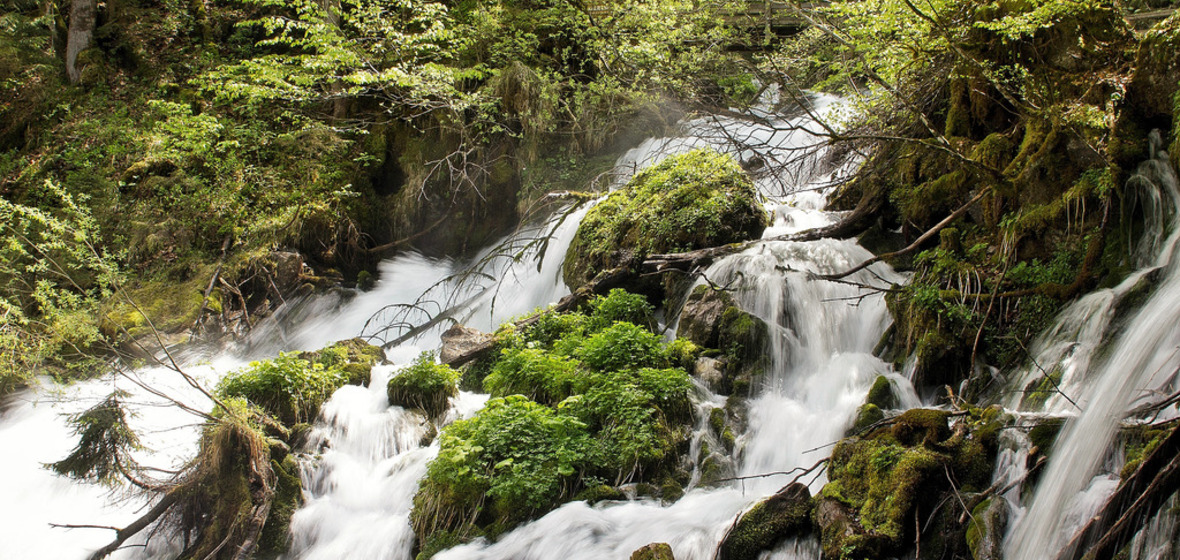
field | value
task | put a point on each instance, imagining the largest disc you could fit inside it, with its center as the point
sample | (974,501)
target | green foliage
(105,441)
(518,456)
(688,201)
(571,407)
(287,387)
(539,375)
(52,278)
(620,305)
(622,346)
(424,385)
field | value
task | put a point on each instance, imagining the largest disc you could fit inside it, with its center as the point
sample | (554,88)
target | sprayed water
(1136,364)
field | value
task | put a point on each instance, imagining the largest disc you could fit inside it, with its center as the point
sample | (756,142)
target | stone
(785,514)
(460,341)
(654,551)
(700,320)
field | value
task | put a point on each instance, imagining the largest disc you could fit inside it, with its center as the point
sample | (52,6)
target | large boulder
(712,319)
(783,515)
(689,201)
(880,481)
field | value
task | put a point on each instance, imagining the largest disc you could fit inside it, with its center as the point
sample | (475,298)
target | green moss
(163,303)
(787,513)
(881,393)
(288,496)
(888,475)
(424,385)
(355,357)
(867,415)
(438,542)
(600,493)
(689,201)
(1139,445)
(1039,390)
(654,551)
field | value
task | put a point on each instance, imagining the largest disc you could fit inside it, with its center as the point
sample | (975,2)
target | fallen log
(1139,497)
(603,283)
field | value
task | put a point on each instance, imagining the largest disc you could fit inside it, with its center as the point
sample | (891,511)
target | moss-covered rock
(292,387)
(881,394)
(355,357)
(711,318)
(783,515)
(689,201)
(424,385)
(881,480)
(654,551)
(866,416)
(986,529)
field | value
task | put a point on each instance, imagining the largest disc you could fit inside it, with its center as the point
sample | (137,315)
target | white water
(366,456)
(1139,363)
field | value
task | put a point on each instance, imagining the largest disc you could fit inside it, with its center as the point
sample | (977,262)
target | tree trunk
(81,33)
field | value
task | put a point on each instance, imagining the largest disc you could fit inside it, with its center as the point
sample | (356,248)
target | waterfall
(1139,361)
(364,457)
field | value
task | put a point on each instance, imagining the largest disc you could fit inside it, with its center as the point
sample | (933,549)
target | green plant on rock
(424,385)
(287,387)
(688,201)
(513,459)
(576,401)
(620,305)
(622,346)
(542,376)
(887,476)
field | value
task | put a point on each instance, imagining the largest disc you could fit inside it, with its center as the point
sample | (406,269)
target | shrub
(516,456)
(288,388)
(621,305)
(623,346)
(539,375)
(424,385)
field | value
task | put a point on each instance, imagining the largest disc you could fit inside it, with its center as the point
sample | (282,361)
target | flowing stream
(365,457)
(1106,371)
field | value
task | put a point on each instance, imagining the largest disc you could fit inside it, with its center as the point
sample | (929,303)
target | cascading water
(1137,363)
(365,456)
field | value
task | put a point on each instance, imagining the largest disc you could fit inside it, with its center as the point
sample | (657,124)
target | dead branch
(121,535)
(917,242)
(1136,499)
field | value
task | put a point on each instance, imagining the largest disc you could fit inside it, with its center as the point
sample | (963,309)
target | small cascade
(1106,374)
(823,334)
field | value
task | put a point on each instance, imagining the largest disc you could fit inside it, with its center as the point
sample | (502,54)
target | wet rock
(867,415)
(712,319)
(985,532)
(783,515)
(840,533)
(881,394)
(689,201)
(700,320)
(654,551)
(461,341)
(711,372)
